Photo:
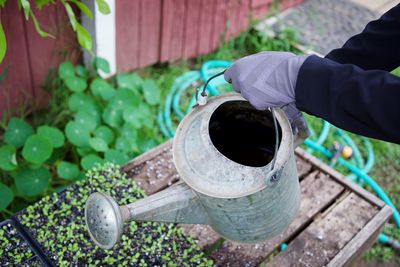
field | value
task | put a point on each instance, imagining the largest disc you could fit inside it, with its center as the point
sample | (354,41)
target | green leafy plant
(83,36)
(57,223)
(104,121)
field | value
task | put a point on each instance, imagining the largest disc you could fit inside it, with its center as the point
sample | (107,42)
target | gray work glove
(268,79)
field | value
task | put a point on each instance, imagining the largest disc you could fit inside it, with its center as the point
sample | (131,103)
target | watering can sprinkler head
(104,220)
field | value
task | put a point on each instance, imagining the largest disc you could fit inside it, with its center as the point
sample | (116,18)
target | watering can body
(243,198)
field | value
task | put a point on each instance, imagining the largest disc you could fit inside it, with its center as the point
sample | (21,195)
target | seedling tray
(16,248)
(57,224)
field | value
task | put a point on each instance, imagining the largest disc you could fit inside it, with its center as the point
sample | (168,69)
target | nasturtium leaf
(75,84)
(115,156)
(102,88)
(86,120)
(67,170)
(7,196)
(104,133)
(151,92)
(37,149)
(78,101)
(128,131)
(123,144)
(81,71)
(98,144)
(32,182)
(125,98)
(83,151)
(89,161)
(8,160)
(54,135)
(130,116)
(65,70)
(146,144)
(100,63)
(17,132)
(77,134)
(129,80)
(144,112)
(112,116)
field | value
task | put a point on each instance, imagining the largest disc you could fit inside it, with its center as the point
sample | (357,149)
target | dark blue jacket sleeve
(376,47)
(351,87)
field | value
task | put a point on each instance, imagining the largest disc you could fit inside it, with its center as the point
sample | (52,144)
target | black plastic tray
(32,244)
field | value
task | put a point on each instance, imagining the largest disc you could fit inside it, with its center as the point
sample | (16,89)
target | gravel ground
(325,24)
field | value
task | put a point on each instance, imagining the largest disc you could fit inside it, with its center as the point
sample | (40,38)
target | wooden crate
(337,220)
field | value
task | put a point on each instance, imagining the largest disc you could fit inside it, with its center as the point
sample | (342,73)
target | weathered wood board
(337,219)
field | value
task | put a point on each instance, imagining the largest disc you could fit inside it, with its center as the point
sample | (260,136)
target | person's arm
(376,47)
(365,102)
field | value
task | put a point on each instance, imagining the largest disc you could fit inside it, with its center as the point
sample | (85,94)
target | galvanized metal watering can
(232,179)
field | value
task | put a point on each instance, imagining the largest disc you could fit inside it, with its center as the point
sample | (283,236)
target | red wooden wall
(151,31)
(29,57)
(147,32)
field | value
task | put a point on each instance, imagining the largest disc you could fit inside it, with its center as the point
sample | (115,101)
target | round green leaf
(77,134)
(78,101)
(7,196)
(125,98)
(89,161)
(122,144)
(83,151)
(67,171)
(8,161)
(17,132)
(98,144)
(86,120)
(130,116)
(128,131)
(32,182)
(115,156)
(102,88)
(100,63)
(112,116)
(81,71)
(37,149)
(143,112)
(129,80)
(151,92)
(54,135)
(104,133)
(75,84)
(66,70)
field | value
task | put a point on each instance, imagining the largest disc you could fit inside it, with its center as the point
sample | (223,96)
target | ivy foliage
(83,36)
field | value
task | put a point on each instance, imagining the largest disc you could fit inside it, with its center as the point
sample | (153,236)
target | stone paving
(323,25)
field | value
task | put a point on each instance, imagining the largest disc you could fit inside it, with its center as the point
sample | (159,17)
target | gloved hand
(268,79)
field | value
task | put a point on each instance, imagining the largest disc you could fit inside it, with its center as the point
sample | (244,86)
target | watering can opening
(243,134)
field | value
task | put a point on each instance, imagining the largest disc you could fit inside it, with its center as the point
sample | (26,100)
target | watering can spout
(177,204)
(105,219)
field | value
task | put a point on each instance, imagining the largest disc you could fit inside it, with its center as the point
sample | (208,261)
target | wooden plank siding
(29,57)
(147,32)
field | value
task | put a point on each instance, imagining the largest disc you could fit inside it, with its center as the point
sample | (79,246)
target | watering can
(232,177)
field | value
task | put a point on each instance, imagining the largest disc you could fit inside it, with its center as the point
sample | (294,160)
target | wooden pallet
(337,220)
